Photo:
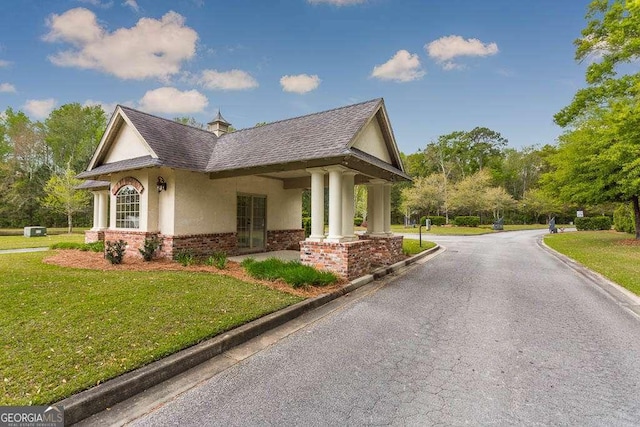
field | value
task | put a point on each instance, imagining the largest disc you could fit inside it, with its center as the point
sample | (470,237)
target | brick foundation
(385,250)
(134,239)
(200,245)
(282,240)
(91,236)
(351,260)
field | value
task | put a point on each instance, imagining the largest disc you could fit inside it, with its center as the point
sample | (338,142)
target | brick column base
(92,236)
(349,260)
(385,250)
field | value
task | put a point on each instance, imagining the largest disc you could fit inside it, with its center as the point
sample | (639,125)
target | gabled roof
(325,135)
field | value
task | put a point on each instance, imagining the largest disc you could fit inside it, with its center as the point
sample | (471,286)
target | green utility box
(35,231)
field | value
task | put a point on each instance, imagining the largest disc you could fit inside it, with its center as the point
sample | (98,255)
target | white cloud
(152,48)
(337,2)
(98,3)
(226,80)
(7,87)
(447,48)
(301,83)
(133,4)
(4,63)
(169,100)
(403,67)
(39,108)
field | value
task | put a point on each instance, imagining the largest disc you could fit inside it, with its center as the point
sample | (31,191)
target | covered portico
(341,250)
(341,205)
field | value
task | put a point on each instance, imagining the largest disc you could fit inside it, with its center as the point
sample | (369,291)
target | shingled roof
(321,135)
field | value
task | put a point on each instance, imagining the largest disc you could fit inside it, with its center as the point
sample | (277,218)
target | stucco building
(210,189)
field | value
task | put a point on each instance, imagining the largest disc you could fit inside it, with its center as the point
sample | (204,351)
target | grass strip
(291,272)
(63,330)
(609,253)
(412,246)
(21,242)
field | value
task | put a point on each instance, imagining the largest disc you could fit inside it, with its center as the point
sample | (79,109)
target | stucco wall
(371,141)
(127,145)
(203,205)
(200,205)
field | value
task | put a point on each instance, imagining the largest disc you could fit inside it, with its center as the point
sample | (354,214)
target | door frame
(250,248)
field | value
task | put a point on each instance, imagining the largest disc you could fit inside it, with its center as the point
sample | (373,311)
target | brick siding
(282,240)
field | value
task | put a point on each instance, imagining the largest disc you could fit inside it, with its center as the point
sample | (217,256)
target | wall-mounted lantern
(161,184)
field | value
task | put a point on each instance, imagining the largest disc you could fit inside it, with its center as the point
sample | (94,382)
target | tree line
(39,161)
(595,166)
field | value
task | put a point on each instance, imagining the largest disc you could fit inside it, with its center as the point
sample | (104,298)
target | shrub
(623,220)
(218,260)
(467,221)
(292,272)
(185,257)
(149,248)
(357,221)
(435,220)
(306,224)
(114,251)
(593,223)
(94,247)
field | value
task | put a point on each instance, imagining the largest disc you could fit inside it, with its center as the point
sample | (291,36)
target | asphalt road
(494,330)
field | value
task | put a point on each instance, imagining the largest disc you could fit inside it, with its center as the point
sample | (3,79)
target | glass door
(251,213)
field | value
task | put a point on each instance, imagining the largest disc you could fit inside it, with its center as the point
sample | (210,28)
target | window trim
(131,205)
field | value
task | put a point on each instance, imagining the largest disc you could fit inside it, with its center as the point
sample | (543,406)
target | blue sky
(440,65)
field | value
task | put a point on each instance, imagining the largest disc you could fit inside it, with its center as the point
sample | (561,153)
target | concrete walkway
(21,251)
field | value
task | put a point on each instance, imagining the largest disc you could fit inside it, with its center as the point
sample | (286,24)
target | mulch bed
(96,261)
(629,242)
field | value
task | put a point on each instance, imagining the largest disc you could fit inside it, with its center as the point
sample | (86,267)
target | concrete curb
(103,396)
(621,295)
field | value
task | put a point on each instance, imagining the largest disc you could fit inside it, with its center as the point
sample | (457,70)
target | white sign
(580,214)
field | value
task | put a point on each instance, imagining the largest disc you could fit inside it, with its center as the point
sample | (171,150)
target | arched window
(127,207)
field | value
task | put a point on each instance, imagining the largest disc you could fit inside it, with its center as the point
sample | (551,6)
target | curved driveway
(493,331)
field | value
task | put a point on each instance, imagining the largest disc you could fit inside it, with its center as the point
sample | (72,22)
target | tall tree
(73,133)
(599,156)
(189,121)
(26,168)
(63,197)
(426,196)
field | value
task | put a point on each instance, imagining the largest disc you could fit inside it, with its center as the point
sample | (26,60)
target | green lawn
(467,231)
(442,231)
(63,330)
(50,230)
(412,246)
(601,251)
(21,242)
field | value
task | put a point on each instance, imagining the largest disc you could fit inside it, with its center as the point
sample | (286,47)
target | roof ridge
(165,119)
(306,115)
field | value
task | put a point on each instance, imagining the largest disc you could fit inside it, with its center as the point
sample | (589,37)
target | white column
(335,203)
(348,205)
(370,208)
(378,207)
(317,205)
(103,213)
(387,208)
(96,210)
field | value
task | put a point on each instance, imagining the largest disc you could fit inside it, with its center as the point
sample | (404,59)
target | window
(127,208)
